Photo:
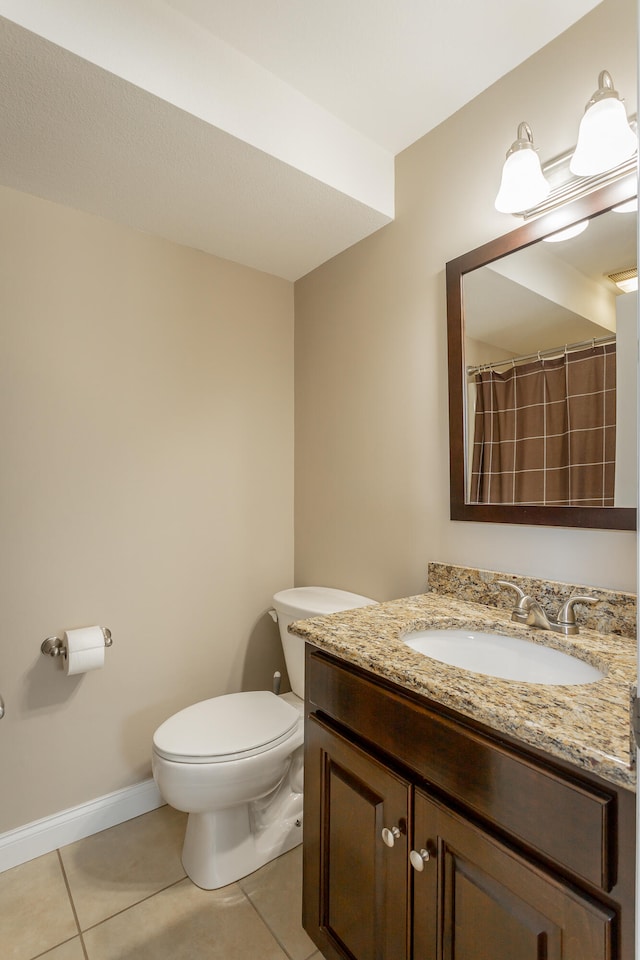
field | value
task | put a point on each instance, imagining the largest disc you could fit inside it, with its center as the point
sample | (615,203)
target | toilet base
(225,845)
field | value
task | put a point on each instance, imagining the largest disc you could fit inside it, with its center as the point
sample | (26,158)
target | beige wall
(146,484)
(371,367)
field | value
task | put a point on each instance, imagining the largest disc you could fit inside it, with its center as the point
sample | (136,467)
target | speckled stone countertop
(587,725)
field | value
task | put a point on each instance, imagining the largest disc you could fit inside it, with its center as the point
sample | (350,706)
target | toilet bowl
(234,763)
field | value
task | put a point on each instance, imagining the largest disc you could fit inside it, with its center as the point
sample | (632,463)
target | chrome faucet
(528,610)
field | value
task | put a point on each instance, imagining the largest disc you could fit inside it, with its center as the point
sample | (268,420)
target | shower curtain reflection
(545,431)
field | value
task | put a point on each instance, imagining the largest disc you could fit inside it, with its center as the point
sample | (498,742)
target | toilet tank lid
(304,602)
(226,727)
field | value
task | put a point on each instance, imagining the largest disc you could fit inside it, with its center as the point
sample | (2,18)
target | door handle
(1,708)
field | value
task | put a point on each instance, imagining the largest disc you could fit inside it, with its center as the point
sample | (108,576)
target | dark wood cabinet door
(355,897)
(476,899)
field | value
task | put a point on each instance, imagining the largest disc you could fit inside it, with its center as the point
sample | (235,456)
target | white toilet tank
(300,603)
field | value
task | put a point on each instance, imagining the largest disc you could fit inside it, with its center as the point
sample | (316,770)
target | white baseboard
(43,836)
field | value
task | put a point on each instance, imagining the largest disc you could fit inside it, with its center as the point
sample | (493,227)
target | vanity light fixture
(605,138)
(606,151)
(523,185)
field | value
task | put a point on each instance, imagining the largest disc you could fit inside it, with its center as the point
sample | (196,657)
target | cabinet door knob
(390,836)
(418,858)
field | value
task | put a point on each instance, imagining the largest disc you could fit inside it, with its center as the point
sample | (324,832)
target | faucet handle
(567,615)
(520,612)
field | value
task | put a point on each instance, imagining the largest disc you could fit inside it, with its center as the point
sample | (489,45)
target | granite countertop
(587,724)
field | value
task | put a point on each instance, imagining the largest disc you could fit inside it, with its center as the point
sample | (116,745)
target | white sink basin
(494,655)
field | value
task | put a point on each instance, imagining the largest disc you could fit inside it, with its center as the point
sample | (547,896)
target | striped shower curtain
(545,431)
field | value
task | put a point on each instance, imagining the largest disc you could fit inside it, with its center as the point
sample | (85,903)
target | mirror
(520,309)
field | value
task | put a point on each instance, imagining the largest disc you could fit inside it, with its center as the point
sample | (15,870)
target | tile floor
(122,895)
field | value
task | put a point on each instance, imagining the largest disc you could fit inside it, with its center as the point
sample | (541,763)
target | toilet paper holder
(54,646)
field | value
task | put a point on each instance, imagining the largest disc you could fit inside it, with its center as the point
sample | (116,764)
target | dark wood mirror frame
(612,518)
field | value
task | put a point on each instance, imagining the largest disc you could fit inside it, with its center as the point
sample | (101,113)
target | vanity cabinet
(363,880)
(429,838)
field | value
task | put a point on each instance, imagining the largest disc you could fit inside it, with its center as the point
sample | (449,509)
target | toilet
(234,763)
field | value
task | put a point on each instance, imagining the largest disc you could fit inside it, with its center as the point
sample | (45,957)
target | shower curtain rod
(540,354)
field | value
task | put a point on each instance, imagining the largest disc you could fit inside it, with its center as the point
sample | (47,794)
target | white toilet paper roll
(84,650)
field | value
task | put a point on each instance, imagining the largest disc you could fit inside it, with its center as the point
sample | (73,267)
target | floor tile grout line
(45,953)
(175,884)
(266,924)
(73,906)
(131,906)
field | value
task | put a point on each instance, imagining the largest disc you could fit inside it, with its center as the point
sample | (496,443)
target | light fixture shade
(605,138)
(523,184)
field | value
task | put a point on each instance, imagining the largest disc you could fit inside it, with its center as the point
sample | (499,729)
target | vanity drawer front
(568,821)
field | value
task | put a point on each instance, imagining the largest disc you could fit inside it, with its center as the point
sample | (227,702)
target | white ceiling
(262,131)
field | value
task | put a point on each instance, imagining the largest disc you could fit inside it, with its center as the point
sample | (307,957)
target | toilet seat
(229,727)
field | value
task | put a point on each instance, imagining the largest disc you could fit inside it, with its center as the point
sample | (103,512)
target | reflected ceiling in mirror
(519,297)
